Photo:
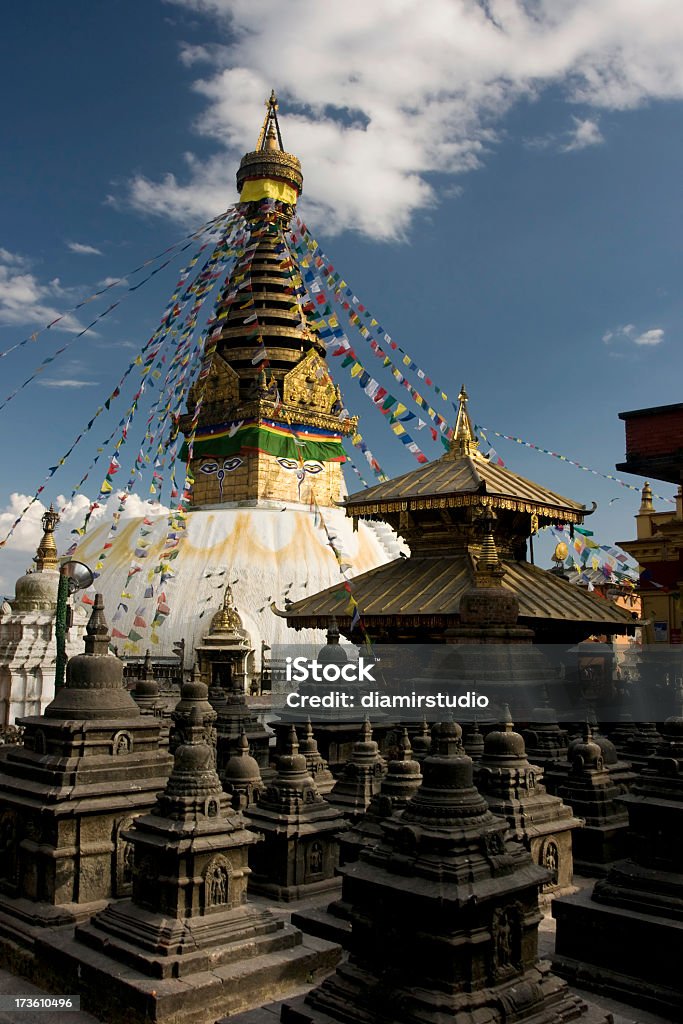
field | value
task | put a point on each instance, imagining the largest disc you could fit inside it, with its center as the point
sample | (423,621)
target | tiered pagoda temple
(435,509)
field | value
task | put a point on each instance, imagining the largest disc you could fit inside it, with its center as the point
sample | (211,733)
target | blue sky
(500,185)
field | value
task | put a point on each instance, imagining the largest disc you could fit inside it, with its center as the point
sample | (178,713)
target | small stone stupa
(241,777)
(87,767)
(397,787)
(361,778)
(188,945)
(301,851)
(146,692)
(513,789)
(596,798)
(469,898)
(625,938)
(317,765)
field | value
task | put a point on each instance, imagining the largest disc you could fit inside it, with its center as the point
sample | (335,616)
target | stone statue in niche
(217,885)
(122,744)
(315,858)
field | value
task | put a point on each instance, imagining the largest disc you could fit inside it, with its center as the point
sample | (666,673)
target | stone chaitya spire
(624,937)
(361,778)
(513,789)
(187,944)
(315,762)
(87,766)
(301,852)
(241,777)
(469,898)
(269,426)
(399,785)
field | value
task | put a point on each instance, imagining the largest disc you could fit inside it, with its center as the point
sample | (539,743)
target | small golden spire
(269,136)
(227,619)
(646,502)
(489,571)
(46,553)
(464,441)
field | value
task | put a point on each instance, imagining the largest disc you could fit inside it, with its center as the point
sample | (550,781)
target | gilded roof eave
(421,589)
(466,480)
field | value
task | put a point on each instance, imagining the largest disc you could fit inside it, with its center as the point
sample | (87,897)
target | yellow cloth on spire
(266,188)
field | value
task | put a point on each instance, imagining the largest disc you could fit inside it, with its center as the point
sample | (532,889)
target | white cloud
(376,97)
(84,250)
(66,383)
(18,553)
(107,282)
(24,300)
(586,132)
(655,336)
(629,332)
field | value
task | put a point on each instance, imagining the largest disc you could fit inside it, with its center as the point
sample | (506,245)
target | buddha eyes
(308,467)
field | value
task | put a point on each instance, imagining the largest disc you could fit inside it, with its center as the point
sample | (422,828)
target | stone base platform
(22,922)
(117,992)
(293,893)
(332,922)
(620,952)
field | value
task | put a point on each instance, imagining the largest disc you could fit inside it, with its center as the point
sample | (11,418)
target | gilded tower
(269,427)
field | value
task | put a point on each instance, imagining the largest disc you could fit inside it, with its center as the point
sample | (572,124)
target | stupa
(241,777)
(268,444)
(27,633)
(470,898)
(187,945)
(300,853)
(316,764)
(361,777)
(87,767)
(595,797)
(626,937)
(513,789)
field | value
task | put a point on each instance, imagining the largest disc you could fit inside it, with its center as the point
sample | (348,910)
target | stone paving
(10,984)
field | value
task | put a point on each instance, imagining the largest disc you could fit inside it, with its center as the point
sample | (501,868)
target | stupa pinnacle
(269,427)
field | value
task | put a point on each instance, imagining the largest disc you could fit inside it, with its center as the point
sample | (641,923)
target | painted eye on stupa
(209,467)
(230,465)
(289,464)
(313,467)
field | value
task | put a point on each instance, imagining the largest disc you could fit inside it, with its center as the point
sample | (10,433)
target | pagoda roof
(424,587)
(463,476)
(449,481)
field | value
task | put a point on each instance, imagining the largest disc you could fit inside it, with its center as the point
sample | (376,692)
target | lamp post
(73,576)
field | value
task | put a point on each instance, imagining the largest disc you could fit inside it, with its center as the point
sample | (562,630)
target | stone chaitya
(402,780)
(300,854)
(595,797)
(513,789)
(88,766)
(187,946)
(317,765)
(361,778)
(194,696)
(626,937)
(469,898)
(241,777)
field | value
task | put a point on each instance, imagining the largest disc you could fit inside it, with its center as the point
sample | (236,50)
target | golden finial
(464,441)
(269,136)
(489,571)
(646,501)
(227,620)
(46,553)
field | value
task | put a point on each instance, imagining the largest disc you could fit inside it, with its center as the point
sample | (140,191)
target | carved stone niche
(218,889)
(124,854)
(506,932)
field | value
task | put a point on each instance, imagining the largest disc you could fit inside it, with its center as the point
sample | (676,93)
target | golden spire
(46,554)
(269,136)
(227,620)
(464,441)
(270,172)
(646,502)
(489,571)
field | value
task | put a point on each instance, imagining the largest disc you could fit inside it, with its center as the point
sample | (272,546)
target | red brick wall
(658,433)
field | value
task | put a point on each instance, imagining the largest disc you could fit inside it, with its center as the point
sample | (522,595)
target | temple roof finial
(464,441)
(646,501)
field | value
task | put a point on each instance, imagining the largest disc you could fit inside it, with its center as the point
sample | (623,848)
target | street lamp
(73,576)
